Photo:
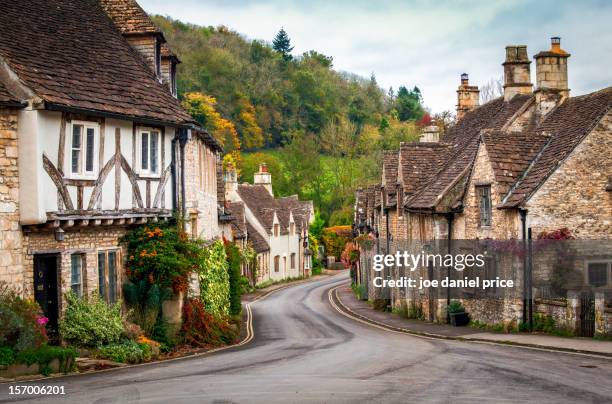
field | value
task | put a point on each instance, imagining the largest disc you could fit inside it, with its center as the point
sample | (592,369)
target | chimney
(467,96)
(230,177)
(263,177)
(431,134)
(517,75)
(551,77)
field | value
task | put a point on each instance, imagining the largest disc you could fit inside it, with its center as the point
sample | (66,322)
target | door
(587,314)
(46,291)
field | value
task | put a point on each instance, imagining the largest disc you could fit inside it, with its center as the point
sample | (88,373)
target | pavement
(304,350)
(361,309)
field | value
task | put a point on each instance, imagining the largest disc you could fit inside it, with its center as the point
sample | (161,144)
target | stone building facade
(529,162)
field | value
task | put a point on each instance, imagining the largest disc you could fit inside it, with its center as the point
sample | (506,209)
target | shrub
(45,354)
(22,325)
(125,352)
(455,306)
(201,328)
(235,287)
(7,356)
(145,301)
(89,321)
(214,280)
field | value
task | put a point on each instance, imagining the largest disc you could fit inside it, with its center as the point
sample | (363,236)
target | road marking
(397,330)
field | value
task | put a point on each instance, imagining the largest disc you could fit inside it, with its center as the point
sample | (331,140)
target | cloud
(428,44)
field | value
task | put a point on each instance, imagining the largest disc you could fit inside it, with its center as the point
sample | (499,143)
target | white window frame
(146,172)
(82,172)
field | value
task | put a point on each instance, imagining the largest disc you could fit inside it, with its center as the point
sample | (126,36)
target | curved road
(304,351)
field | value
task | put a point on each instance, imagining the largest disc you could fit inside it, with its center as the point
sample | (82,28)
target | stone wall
(201,191)
(11,268)
(575,195)
(87,241)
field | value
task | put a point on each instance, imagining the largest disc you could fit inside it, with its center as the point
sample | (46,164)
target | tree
(282,44)
(408,104)
(492,89)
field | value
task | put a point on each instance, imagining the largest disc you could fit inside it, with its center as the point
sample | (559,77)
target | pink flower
(42,320)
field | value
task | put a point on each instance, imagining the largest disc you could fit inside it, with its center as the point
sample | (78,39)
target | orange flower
(143,253)
(131,257)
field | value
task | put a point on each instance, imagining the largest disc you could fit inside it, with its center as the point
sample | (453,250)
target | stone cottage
(276,227)
(528,162)
(92,141)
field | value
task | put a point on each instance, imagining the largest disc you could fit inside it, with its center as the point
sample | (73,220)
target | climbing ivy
(214,280)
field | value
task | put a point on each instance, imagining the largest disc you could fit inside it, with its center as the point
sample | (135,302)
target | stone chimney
(517,75)
(263,177)
(230,178)
(467,96)
(430,134)
(551,77)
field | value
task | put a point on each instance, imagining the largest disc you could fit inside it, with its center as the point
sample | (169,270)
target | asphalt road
(304,351)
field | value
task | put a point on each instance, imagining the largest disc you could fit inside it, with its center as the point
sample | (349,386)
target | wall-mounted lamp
(59,234)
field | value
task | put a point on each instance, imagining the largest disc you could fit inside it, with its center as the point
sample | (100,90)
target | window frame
(81,270)
(485,213)
(608,272)
(82,173)
(292,261)
(276,230)
(147,172)
(107,296)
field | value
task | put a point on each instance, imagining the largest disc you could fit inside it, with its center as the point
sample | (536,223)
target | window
(76,274)
(484,196)
(276,230)
(173,78)
(83,146)
(292,228)
(490,273)
(149,152)
(292,261)
(276,263)
(108,275)
(598,273)
(194,226)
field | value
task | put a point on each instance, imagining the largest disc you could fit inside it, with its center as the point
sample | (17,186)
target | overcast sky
(423,43)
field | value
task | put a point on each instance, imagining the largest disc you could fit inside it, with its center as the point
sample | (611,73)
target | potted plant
(456,313)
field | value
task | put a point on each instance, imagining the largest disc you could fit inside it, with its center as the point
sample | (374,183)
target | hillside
(313,124)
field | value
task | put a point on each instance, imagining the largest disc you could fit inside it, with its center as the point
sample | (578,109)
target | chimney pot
(517,74)
(467,96)
(551,77)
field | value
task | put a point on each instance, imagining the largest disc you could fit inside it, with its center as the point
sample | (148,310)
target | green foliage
(235,284)
(89,321)
(45,354)
(201,328)
(21,321)
(412,311)
(214,280)
(334,239)
(127,351)
(282,44)
(144,300)
(409,104)
(359,291)
(7,355)
(455,306)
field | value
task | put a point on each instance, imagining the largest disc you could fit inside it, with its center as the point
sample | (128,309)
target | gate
(587,314)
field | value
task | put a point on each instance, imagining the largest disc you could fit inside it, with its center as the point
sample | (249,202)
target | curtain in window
(154,151)
(89,156)
(145,151)
(76,148)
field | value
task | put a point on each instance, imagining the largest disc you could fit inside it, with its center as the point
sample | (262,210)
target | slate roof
(73,57)
(419,163)
(259,243)
(389,169)
(8,99)
(129,17)
(463,138)
(567,126)
(238,221)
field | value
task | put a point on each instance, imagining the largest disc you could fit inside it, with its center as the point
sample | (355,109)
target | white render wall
(39,132)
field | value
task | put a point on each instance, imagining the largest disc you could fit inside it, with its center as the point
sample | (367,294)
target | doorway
(46,291)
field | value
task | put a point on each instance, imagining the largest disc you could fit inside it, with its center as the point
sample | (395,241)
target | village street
(305,351)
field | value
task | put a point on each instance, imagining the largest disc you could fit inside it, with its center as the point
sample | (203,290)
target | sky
(421,43)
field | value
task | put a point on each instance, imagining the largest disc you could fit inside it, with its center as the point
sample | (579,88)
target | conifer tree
(282,44)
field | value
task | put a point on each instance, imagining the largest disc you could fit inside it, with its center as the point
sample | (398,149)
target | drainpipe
(529,287)
(449,217)
(183,138)
(173,172)
(523,214)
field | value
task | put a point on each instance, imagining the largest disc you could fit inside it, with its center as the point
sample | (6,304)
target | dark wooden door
(45,290)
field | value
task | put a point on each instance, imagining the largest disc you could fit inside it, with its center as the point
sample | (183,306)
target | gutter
(183,137)
(523,213)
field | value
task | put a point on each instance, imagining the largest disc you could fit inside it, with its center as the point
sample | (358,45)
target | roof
(259,243)
(260,202)
(238,221)
(567,126)
(419,162)
(390,177)
(7,99)
(77,60)
(129,17)
(510,153)
(463,138)
(166,52)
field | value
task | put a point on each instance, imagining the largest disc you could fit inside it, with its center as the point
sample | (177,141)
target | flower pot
(459,319)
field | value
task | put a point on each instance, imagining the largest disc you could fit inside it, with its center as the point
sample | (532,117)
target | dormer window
(148,144)
(158,59)
(173,78)
(83,146)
